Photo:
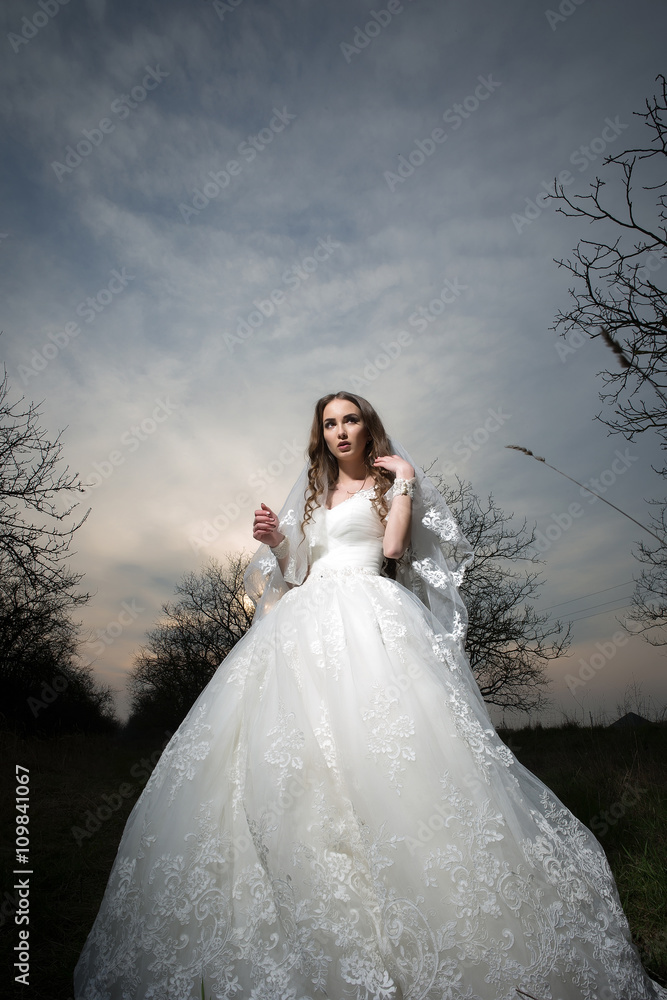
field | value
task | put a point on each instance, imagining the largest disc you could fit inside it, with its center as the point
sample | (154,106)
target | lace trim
(282,548)
(445,528)
(403,487)
(389,741)
(188,747)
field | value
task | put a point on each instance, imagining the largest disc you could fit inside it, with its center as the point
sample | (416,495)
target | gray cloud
(166,333)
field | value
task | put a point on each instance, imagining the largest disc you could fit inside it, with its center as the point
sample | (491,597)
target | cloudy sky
(214,213)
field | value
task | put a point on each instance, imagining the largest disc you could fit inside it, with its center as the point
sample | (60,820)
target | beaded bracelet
(281,549)
(404,487)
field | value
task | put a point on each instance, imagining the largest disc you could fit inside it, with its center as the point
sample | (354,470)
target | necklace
(353,492)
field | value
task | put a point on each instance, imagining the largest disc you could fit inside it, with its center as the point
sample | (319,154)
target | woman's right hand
(265,527)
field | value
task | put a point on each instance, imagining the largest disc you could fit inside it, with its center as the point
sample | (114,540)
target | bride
(336,817)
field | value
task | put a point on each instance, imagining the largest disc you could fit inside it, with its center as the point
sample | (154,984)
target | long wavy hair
(323,469)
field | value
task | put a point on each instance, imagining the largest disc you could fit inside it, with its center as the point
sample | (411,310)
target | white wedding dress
(337,818)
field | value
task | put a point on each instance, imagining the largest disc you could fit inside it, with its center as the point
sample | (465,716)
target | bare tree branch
(509,643)
(38,589)
(35,537)
(185,649)
(621,297)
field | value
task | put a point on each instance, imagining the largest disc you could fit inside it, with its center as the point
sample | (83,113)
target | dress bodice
(341,761)
(348,535)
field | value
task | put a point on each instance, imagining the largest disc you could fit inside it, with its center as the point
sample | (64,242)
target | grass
(614,781)
(68,776)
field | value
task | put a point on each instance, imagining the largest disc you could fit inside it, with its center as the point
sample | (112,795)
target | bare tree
(186,647)
(509,642)
(621,297)
(42,686)
(35,526)
(649,601)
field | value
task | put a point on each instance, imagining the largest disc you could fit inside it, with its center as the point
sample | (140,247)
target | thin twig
(538,458)
(625,362)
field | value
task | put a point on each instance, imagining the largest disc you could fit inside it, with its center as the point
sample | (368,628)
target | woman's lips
(344,446)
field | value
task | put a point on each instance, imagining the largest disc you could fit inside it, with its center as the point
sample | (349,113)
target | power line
(584,596)
(596,613)
(602,605)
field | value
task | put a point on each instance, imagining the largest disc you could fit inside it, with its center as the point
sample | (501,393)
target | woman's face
(344,430)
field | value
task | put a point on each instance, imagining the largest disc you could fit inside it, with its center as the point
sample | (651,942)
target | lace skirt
(337,818)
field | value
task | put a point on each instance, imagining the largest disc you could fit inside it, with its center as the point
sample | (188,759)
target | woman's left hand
(395,464)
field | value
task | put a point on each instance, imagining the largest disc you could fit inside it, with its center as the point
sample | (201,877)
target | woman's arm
(397,529)
(265,529)
(281,552)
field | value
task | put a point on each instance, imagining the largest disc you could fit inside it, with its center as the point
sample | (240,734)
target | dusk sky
(214,213)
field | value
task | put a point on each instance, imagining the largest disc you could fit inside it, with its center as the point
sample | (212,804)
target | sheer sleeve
(264,583)
(434,564)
